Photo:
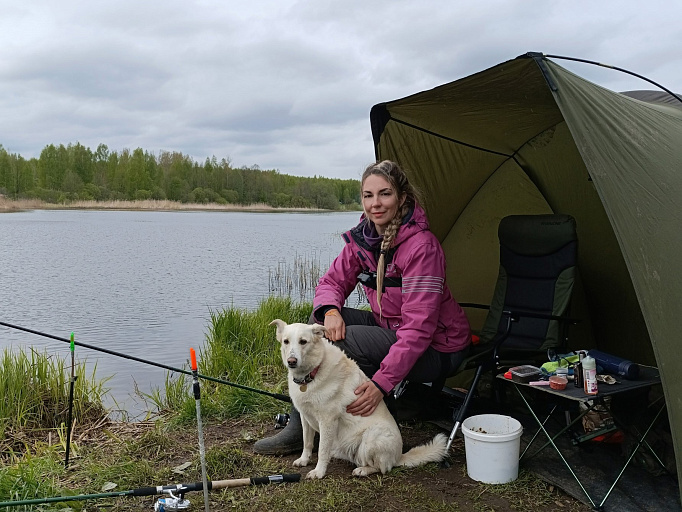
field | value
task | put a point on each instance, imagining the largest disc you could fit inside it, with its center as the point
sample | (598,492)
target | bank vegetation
(163,449)
(65,174)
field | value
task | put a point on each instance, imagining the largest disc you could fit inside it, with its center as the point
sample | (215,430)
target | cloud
(282,83)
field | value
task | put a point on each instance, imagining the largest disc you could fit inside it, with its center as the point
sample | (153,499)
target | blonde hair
(397,178)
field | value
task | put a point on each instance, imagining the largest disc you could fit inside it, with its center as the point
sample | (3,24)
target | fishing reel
(172,503)
(281,420)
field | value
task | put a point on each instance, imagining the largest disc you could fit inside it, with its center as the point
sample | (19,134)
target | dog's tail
(433,451)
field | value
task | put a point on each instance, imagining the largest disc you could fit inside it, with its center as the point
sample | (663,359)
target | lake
(143,283)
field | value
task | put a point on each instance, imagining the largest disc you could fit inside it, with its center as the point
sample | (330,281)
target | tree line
(74,172)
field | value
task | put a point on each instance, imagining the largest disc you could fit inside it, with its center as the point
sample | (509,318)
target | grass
(240,348)
(32,475)
(37,385)
(154,454)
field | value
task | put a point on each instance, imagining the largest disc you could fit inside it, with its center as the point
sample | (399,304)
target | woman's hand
(368,399)
(336,327)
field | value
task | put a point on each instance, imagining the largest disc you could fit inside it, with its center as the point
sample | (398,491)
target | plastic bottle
(578,374)
(590,375)
(578,370)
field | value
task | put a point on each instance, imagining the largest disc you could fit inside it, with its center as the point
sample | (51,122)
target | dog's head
(300,345)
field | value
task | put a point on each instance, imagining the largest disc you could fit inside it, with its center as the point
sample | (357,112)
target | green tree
(178,189)
(136,176)
(101,160)
(151,168)
(26,173)
(142,195)
(324,196)
(90,192)
(158,193)
(114,179)
(72,183)
(119,167)
(235,180)
(5,171)
(82,162)
(198,195)
(52,166)
(231,196)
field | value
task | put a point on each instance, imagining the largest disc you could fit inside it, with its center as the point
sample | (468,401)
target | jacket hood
(415,221)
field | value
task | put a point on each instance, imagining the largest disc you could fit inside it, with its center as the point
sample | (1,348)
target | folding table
(649,376)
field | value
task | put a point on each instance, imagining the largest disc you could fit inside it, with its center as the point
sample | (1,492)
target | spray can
(589,375)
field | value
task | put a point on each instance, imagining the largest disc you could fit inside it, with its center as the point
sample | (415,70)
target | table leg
(551,441)
(639,443)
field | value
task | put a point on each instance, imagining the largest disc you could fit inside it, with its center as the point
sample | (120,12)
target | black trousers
(367,344)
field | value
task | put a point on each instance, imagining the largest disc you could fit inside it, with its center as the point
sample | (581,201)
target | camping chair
(538,256)
(526,316)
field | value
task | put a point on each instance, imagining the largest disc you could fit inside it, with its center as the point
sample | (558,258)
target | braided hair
(397,178)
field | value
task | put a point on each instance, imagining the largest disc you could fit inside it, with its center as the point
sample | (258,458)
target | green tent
(528,136)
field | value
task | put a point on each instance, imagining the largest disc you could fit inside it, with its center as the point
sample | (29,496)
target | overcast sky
(287,84)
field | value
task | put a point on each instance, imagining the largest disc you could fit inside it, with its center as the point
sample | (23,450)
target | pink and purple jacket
(421,311)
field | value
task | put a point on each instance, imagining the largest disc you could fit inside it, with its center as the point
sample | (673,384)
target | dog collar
(308,378)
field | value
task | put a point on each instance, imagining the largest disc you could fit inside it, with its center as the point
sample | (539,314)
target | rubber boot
(289,440)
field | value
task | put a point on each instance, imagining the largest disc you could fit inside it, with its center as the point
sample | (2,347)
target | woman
(415,329)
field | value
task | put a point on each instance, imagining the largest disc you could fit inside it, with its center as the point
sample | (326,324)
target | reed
(35,387)
(12,205)
(298,278)
(159,204)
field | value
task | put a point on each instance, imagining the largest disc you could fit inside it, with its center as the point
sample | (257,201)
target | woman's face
(380,201)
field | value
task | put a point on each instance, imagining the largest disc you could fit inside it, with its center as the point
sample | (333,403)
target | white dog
(322,381)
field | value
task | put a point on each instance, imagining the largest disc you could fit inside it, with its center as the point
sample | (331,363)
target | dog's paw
(316,474)
(365,471)
(301,462)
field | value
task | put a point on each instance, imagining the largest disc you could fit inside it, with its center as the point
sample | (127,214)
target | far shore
(11,205)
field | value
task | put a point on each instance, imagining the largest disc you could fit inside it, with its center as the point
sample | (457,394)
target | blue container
(615,365)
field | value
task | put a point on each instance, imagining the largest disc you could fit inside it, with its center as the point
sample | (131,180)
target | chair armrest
(473,305)
(516,314)
(544,316)
(511,316)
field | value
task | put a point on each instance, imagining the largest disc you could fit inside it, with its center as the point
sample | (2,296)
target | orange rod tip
(193,358)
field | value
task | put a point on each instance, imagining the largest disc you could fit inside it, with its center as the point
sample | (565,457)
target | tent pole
(610,67)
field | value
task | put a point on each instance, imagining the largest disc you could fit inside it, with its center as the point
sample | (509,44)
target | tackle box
(524,373)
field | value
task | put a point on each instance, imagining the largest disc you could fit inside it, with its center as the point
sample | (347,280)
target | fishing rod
(585,61)
(197,398)
(70,415)
(278,396)
(172,490)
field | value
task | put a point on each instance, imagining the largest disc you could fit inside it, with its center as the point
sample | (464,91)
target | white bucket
(492,445)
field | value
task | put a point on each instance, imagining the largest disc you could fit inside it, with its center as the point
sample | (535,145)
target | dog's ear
(281,324)
(319,330)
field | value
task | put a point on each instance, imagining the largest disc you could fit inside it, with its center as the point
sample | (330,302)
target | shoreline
(20,205)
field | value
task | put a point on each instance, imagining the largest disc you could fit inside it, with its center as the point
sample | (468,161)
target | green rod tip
(72,343)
